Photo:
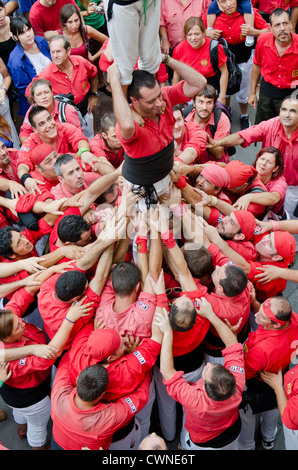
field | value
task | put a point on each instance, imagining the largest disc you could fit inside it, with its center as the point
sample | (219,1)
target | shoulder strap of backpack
(214,54)
(217,113)
(61,108)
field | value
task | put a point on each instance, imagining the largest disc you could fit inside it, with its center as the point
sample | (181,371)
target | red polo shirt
(152,137)
(267,6)
(83,72)
(14,155)
(46,18)
(282,71)
(71,117)
(290,415)
(194,137)
(32,370)
(68,138)
(270,350)
(205,418)
(199,58)
(99,148)
(230,25)
(53,311)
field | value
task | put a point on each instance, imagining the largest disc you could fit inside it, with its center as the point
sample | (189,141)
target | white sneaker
(249,41)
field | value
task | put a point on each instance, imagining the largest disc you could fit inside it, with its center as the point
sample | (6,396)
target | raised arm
(122,110)
(194,81)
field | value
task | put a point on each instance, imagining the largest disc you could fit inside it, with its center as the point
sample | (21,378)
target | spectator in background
(44,17)
(195,51)
(173,15)
(41,94)
(7,44)
(30,56)
(79,34)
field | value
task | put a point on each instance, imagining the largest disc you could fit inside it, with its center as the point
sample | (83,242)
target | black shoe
(245,122)
(104,89)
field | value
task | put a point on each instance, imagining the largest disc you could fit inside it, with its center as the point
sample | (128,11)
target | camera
(99,9)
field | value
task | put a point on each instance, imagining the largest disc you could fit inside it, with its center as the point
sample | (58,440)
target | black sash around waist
(148,170)
(225,438)
(273,92)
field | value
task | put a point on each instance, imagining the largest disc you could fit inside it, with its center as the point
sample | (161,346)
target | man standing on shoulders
(149,150)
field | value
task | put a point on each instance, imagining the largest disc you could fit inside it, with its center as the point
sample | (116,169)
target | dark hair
(92,382)
(284,308)
(178,107)
(235,281)
(70,284)
(279,160)
(34,111)
(63,160)
(199,261)
(125,277)
(102,197)
(223,384)
(182,318)
(140,78)
(208,92)
(2,4)
(17,25)
(5,241)
(65,13)
(71,227)
(278,12)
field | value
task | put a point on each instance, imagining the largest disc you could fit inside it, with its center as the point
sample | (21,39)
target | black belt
(123,432)
(118,2)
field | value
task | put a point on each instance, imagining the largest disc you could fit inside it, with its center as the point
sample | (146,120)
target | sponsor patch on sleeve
(142,305)
(238,369)
(131,405)
(139,356)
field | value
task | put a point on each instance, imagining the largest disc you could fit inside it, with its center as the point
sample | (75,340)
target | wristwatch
(92,93)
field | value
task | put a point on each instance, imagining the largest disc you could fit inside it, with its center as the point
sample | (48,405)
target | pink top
(135,320)
(279,185)
(173,16)
(271,133)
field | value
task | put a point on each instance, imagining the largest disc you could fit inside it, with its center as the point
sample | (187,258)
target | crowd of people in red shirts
(143,264)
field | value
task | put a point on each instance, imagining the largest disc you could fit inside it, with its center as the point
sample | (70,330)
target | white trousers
(291,438)
(36,417)
(132,38)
